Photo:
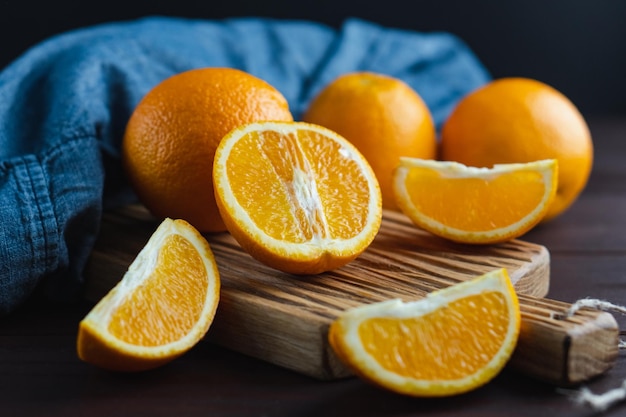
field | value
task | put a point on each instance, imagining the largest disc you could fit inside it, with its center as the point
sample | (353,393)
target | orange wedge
(296,196)
(453,341)
(161,308)
(475,205)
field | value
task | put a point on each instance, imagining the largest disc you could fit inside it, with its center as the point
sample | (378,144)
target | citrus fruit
(382,116)
(171,137)
(475,205)
(521,120)
(296,196)
(160,309)
(452,341)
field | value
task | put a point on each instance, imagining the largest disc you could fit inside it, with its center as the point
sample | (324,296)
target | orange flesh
(427,350)
(312,190)
(476,198)
(161,311)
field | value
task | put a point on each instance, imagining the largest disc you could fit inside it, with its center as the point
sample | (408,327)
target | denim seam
(44,159)
(40,216)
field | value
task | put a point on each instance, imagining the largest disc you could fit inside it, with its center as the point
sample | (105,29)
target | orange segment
(450,342)
(161,308)
(475,205)
(296,196)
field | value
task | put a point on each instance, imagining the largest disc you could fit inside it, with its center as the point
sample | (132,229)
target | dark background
(577,46)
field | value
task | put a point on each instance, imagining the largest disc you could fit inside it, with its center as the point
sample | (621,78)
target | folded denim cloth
(65,102)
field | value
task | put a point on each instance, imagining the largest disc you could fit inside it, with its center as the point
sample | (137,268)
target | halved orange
(452,341)
(296,196)
(475,205)
(163,305)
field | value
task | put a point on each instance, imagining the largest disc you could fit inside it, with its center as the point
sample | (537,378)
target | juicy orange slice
(453,341)
(161,308)
(475,205)
(296,196)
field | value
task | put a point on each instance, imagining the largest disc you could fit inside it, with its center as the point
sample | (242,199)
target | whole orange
(172,135)
(521,120)
(382,116)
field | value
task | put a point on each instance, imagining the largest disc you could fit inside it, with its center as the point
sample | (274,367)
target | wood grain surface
(283,319)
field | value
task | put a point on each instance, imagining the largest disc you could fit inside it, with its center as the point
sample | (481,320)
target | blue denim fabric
(65,102)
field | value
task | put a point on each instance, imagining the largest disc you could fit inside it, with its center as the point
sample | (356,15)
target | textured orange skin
(522,120)
(380,115)
(172,135)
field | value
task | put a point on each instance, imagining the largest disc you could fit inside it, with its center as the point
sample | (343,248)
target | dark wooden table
(40,374)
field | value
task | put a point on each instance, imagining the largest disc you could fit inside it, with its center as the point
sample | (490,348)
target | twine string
(595,304)
(598,402)
(602,401)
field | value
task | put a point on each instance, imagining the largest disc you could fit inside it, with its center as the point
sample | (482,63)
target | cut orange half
(453,341)
(475,205)
(296,196)
(160,309)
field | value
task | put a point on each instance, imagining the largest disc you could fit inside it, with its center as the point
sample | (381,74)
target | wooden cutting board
(284,319)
